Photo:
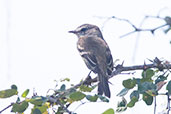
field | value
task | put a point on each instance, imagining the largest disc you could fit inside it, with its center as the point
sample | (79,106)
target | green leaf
(145,86)
(38,100)
(152,93)
(77,96)
(63,87)
(18,100)
(60,111)
(138,80)
(42,109)
(135,94)
(129,83)
(121,106)
(168,87)
(36,111)
(148,99)
(92,98)
(20,107)
(13,87)
(148,73)
(123,92)
(25,93)
(122,103)
(65,79)
(109,111)
(146,80)
(160,78)
(132,102)
(102,98)
(8,93)
(85,88)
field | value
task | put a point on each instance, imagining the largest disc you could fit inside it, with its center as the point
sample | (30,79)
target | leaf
(122,103)
(20,107)
(8,93)
(102,98)
(36,111)
(146,80)
(77,96)
(60,110)
(138,80)
(148,73)
(132,102)
(92,98)
(152,93)
(38,100)
(63,87)
(148,99)
(25,93)
(168,87)
(160,78)
(13,87)
(129,83)
(145,86)
(135,94)
(123,92)
(65,79)
(18,100)
(121,106)
(85,88)
(109,111)
(42,109)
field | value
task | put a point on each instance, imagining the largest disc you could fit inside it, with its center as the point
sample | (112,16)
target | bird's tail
(103,86)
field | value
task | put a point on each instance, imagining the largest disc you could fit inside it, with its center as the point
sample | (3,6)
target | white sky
(36,48)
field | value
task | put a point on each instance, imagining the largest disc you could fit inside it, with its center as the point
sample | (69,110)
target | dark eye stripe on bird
(84,29)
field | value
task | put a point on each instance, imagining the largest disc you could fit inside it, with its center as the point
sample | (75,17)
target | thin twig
(155,104)
(6,108)
(168,103)
(144,30)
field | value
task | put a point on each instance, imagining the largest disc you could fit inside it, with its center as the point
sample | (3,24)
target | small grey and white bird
(96,54)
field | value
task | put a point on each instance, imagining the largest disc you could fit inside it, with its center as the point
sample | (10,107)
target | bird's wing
(88,58)
(109,60)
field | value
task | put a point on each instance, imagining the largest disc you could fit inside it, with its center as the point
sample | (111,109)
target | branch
(6,108)
(120,68)
(136,29)
(167,21)
(156,63)
(52,99)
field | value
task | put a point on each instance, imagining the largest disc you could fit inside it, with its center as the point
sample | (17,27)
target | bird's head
(87,30)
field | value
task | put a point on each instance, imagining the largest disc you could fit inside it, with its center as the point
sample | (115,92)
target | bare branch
(136,29)
(6,108)
(120,68)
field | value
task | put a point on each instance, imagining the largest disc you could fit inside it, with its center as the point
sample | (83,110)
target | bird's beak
(73,31)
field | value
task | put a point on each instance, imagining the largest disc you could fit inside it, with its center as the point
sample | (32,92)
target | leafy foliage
(144,88)
(147,86)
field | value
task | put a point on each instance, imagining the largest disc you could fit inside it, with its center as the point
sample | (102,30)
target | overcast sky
(36,48)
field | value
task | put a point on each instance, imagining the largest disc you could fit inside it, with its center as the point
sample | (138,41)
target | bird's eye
(83,29)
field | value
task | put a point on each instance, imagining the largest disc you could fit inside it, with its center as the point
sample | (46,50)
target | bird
(96,54)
